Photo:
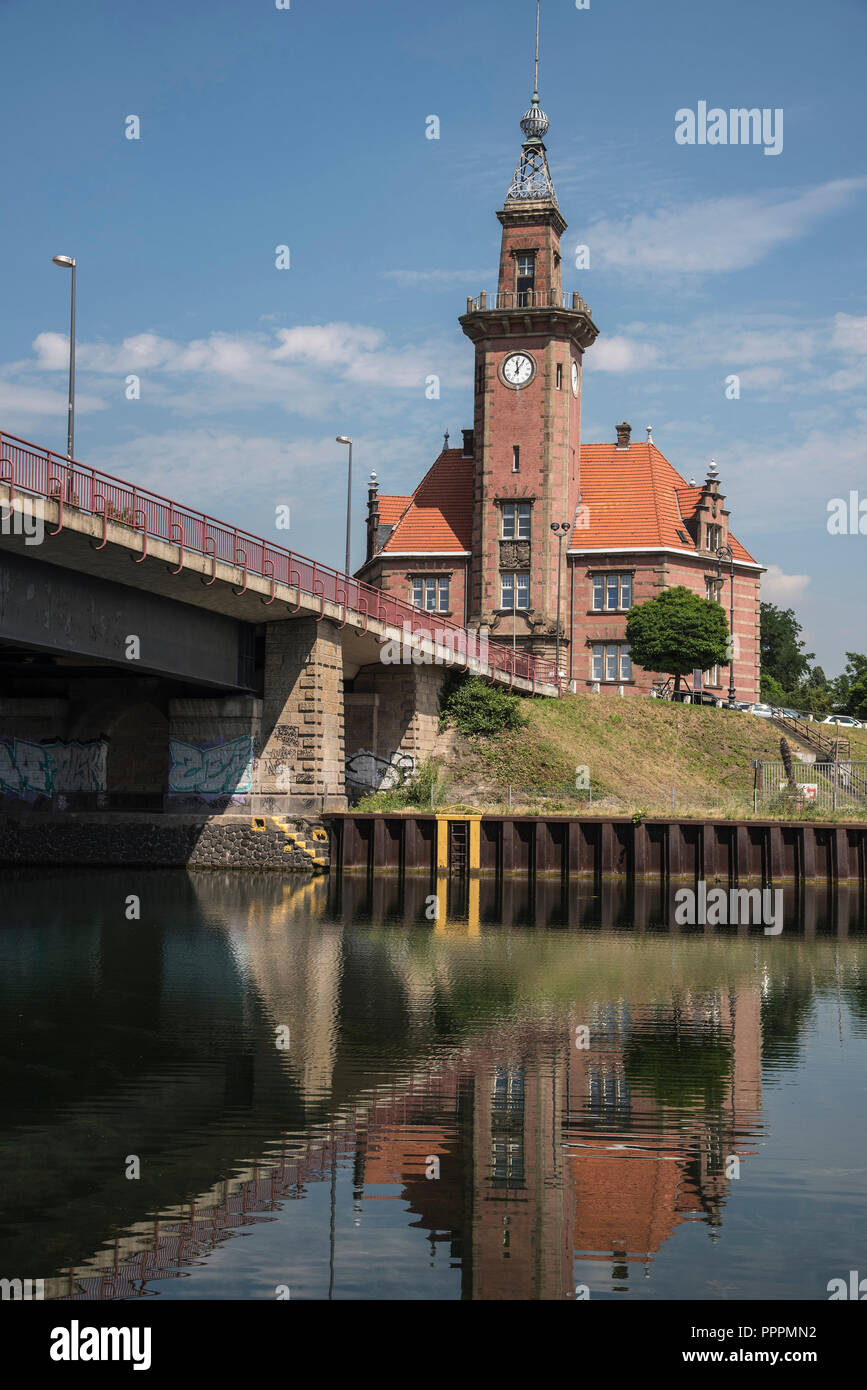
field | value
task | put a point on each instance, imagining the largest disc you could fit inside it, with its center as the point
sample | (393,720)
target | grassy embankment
(636,751)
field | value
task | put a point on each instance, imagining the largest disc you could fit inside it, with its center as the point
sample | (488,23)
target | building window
(611,662)
(612,592)
(712,589)
(711,676)
(559,376)
(516,521)
(714,537)
(526,279)
(431,592)
(516,458)
(514,590)
(507,1161)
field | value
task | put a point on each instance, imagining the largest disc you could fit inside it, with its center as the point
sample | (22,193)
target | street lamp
(344,439)
(68,263)
(725,553)
(561,530)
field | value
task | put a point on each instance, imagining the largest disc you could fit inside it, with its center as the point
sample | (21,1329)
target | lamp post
(68,263)
(561,530)
(344,439)
(725,553)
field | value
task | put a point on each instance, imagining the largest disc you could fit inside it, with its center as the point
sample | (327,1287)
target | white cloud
(294,368)
(19,403)
(621,354)
(716,234)
(850,334)
(782,588)
(761,378)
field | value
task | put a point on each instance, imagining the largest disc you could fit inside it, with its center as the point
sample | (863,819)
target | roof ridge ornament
(532,179)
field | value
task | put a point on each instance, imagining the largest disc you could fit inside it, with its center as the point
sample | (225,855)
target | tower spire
(536,70)
(532,180)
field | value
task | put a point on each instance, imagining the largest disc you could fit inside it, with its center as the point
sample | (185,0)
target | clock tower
(530,338)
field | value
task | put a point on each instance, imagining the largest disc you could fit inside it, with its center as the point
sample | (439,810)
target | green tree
(678,633)
(783,655)
(815,694)
(772,692)
(850,688)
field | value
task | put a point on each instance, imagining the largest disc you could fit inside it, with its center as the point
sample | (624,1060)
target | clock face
(574,377)
(519,369)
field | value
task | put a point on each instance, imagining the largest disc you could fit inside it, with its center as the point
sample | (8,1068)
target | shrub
(416,791)
(474,707)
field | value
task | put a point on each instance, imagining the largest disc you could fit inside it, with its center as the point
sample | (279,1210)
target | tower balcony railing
(528,299)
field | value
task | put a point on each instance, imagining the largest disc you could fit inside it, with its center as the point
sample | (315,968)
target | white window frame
(606,657)
(602,586)
(515,514)
(430,592)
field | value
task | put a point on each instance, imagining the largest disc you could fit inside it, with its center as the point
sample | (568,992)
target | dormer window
(526,281)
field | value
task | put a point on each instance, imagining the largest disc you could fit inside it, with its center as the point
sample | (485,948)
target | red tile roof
(439,516)
(392,508)
(635,497)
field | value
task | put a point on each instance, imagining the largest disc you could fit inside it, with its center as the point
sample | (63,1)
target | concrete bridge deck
(137,612)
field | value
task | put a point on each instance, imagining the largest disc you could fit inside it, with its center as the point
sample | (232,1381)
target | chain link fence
(826,786)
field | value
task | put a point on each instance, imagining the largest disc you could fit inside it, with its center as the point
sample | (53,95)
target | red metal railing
(38,471)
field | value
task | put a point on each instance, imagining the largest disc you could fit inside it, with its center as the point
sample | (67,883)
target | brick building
(474,542)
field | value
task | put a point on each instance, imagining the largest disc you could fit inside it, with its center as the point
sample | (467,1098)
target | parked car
(763,711)
(845,719)
(790,713)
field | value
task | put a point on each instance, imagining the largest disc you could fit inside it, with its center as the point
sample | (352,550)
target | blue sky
(306,127)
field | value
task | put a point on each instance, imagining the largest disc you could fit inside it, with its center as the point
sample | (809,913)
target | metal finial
(446,440)
(532,179)
(536,69)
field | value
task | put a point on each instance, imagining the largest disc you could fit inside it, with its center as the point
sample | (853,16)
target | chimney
(623,433)
(469,444)
(372,516)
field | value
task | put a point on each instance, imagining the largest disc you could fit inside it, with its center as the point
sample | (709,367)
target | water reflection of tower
(521,1212)
(647,1149)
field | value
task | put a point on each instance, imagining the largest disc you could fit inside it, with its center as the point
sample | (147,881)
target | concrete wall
(392,718)
(301,752)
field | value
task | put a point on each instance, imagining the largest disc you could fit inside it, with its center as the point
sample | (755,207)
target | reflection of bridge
(396,1055)
(201,634)
(513,1206)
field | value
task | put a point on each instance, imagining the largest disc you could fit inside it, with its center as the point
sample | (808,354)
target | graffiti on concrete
(379,774)
(219,769)
(29,769)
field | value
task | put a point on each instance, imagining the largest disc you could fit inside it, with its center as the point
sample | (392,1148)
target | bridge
(154,657)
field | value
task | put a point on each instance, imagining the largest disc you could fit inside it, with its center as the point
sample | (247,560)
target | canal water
(231,1086)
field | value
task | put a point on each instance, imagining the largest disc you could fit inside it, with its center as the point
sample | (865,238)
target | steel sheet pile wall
(530,846)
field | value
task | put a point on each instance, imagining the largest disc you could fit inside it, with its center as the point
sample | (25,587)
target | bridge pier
(392,719)
(300,766)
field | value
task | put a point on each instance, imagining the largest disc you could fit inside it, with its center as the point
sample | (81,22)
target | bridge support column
(392,724)
(301,757)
